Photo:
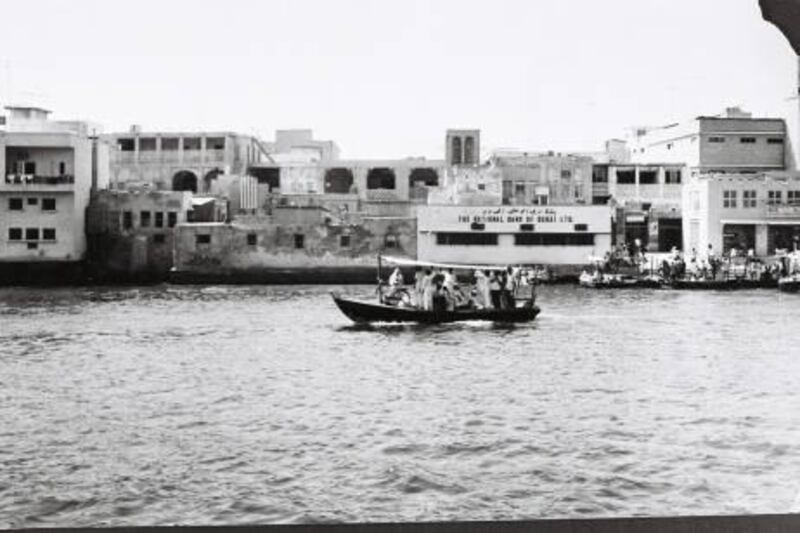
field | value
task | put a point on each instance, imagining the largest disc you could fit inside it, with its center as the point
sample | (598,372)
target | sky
(385,79)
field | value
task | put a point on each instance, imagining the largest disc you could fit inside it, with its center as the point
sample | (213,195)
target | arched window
(338,180)
(469,150)
(380,178)
(184,181)
(456,156)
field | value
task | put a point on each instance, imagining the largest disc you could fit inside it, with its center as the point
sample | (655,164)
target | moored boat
(789,283)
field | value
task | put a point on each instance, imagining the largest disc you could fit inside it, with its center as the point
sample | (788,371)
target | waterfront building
(733,141)
(758,211)
(562,235)
(180,161)
(462,147)
(49,169)
(647,198)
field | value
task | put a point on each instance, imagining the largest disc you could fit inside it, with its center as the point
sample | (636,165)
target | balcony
(30,182)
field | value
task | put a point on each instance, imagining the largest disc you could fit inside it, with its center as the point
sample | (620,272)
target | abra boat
(362,312)
(789,283)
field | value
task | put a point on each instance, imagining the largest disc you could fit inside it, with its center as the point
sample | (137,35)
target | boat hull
(364,313)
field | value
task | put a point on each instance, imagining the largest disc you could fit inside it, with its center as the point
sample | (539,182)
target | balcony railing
(31,179)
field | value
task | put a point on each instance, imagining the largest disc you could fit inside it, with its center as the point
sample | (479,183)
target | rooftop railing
(33,179)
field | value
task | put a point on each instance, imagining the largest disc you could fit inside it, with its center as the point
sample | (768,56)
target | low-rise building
(543,178)
(48,170)
(180,161)
(734,141)
(744,211)
(527,235)
(648,201)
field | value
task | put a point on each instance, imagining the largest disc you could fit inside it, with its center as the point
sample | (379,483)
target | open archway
(210,176)
(184,180)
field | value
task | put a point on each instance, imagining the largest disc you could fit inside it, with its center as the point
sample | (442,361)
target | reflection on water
(205,405)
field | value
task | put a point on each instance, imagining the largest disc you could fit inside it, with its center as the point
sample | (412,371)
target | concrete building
(49,169)
(648,201)
(180,161)
(730,142)
(548,178)
(744,211)
(298,146)
(131,232)
(387,187)
(500,235)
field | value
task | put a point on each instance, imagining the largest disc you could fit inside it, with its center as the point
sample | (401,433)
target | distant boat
(789,283)
(363,312)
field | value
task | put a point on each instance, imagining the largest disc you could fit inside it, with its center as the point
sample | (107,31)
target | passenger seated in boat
(439,294)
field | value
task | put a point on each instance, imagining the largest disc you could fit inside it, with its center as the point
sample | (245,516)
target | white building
(499,235)
(743,211)
(49,169)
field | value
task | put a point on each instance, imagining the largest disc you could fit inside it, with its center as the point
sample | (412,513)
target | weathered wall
(229,250)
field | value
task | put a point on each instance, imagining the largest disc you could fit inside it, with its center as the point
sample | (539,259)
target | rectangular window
(215,143)
(648,177)
(626,177)
(581,227)
(191,143)
(62,168)
(252,239)
(33,201)
(554,239)
(481,186)
(299,241)
(29,167)
(716,139)
(466,239)
(15,204)
(344,241)
(749,198)
(49,234)
(774,197)
(48,204)
(14,234)
(672,176)
(127,219)
(793,197)
(775,140)
(566,174)
(202,238)
(169,144)
(144,219)
(390,241)
(159,219)
(599,174)
(126,145)
(31,234)
(159,238)
(747,140)
(147,144)
(172,219)
(729,199)
(33,245)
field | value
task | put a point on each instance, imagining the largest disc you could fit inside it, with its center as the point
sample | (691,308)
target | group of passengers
(439,290)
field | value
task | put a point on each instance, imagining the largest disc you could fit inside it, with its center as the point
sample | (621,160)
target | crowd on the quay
(438,289)
(707,265)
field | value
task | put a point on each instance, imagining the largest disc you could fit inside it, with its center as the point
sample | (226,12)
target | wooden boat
(362,312)
(366,312)
(789,283)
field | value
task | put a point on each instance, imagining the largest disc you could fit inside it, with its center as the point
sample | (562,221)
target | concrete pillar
(636,172)
(761,240)
(661,178)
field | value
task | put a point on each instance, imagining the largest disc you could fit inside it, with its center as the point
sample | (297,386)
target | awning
(402,261)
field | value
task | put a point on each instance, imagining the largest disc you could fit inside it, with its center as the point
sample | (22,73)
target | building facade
(49,169)
(731,142)
(543,178)
(179,161)
(550,235)
(743,211)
